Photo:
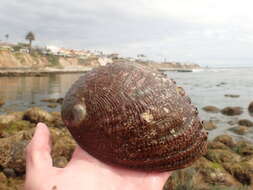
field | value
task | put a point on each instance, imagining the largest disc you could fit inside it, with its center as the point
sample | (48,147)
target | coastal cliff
(15,63)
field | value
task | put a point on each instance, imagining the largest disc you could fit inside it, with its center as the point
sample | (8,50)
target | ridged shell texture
(129,115)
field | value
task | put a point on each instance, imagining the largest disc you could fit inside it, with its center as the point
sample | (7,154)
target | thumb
(38,150)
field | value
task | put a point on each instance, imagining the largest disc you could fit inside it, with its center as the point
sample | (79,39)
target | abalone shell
(132,116)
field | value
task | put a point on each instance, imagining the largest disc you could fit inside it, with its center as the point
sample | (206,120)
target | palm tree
(30,37)
(6,36)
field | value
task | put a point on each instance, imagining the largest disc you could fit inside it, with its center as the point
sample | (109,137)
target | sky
(206,32)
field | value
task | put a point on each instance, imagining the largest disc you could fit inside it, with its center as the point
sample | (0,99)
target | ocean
(205,87)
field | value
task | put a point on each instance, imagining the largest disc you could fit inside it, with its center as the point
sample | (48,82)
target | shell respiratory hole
(132,116)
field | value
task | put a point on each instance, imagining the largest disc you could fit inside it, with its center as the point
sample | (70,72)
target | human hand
(83,172)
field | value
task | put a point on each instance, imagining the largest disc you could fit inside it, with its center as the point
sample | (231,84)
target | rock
(241,171)
(60,100)
(3,181)
(1,102)
(57,123)
(225,139)
(217,145)
(6,119)
(12,154)
(233,122)
(12,149)
(49,100)
(14,127)
(60,162)
(244,148)
(250,108)
(9,172)
(240,130)
(53,100)
(52,105)
(231,111)
(211,109)
(245,122)
(222,156)
(232,95)
(202,175)
(36,115)
(209,125)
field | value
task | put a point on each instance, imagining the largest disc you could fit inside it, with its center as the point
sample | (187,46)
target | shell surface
(131,116)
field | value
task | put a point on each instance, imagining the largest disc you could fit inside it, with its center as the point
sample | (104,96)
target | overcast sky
(207,32)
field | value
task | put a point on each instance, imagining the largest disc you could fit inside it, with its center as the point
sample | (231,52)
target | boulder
(217,145)
(1,102)
(6,119)
(232,95)
(225,139)
(244,148)
(12,149)
(245,122)
(240,130)
(250,108)
(211,109)
(222,156)
(52,105)
(202,175)
(241,171)
(231,111)
(36,115)
(209,125)
(14,127)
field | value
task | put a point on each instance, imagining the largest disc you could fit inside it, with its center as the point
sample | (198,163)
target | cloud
(207,32)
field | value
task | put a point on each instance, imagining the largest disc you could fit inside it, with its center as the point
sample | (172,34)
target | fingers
(38,150)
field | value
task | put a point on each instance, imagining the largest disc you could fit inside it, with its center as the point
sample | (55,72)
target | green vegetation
(53,60)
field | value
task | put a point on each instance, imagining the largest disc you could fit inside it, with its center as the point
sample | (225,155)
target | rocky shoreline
(228,164)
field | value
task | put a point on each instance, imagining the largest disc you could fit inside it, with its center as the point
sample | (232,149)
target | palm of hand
(82,172)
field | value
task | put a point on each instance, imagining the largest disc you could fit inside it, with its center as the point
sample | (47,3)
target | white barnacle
(148,117)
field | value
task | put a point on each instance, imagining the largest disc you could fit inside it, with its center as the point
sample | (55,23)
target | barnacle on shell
(129,115)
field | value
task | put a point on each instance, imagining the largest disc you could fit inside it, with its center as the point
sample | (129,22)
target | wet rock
(12,149)
(244,148)
(222,156)
(231,111)
(1,102)
(250,108)
(53,100)
(217,145)
(221,84)
(63,144)
(57,122)
(60,162)
(245,122)
(52,105)
(233,122)
(6,119)
(3,181)
(36,115)
(49,100)
(202,175)
(211,109)
(209,125)
(9,172)
(60,100)
(232,95)
(225,139)
(14,127)
(241,171)
(12,154)
(240,130)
